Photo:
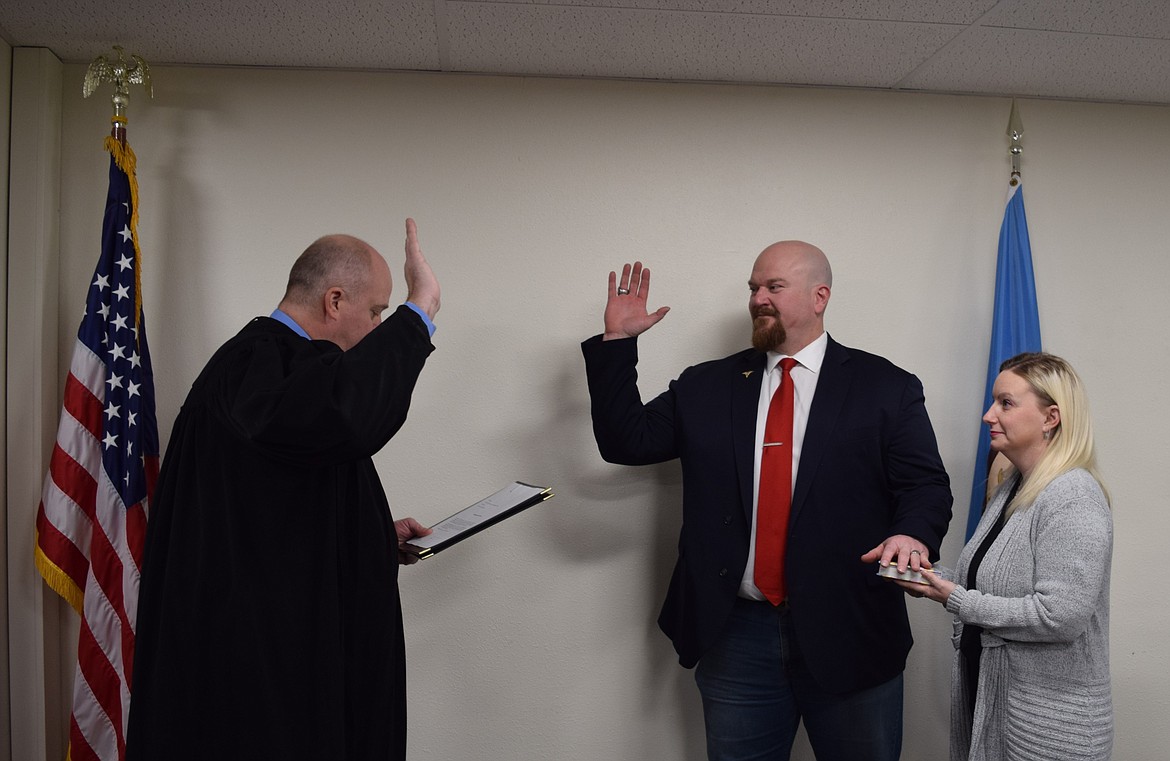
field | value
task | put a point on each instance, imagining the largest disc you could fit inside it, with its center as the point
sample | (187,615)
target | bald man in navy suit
(868,488)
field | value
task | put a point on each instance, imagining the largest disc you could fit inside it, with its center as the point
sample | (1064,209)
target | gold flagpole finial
(122,74)
(1015,133)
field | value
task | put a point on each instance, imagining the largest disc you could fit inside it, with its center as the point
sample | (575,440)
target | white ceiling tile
(567,41)
(342,33)
(1131,18)
(1019,62)
(926,11)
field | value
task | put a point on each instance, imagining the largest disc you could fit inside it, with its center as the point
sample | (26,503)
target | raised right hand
(625,309)
(422,287)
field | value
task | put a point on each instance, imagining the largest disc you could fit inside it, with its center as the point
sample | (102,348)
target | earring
(1047,434)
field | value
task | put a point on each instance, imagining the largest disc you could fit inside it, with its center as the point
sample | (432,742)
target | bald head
(790,285)
(337,289)
(800,258)
(331,260)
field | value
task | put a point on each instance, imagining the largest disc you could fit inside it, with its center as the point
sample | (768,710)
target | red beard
(767,335)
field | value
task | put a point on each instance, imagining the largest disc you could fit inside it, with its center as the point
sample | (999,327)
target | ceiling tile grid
(1118,18)
(1108,50)
(1049,64)
(923,11)
(386,34)
(574,41)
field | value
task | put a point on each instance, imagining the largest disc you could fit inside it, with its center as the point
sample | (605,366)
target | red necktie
(775,498)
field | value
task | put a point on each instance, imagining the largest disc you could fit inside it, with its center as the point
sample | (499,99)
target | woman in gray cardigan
(1030,594)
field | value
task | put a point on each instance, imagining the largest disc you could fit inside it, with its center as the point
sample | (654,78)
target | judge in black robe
(269,623)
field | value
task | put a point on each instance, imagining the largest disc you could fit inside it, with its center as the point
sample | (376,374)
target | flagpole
(1015,317)
(95,502)
(1015,133)
(121,73)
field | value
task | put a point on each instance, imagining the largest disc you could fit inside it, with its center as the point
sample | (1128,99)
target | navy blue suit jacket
(869,469)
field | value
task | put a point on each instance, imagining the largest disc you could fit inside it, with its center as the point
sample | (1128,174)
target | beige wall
(537,640)
(40,653)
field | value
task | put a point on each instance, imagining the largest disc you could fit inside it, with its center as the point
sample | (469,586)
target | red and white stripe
(89,549)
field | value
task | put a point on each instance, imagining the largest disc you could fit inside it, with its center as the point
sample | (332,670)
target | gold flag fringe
(59,581)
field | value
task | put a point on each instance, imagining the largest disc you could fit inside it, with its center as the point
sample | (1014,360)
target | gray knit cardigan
(1043,602)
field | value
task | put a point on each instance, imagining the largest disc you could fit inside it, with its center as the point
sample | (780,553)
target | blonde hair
(1070,443)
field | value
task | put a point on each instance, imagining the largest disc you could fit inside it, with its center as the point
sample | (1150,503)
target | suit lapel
(745,401)
(832,388)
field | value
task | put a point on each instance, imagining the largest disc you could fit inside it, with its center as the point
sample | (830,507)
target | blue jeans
(756,689)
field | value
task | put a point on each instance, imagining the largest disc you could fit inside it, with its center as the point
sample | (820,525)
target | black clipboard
(503,504)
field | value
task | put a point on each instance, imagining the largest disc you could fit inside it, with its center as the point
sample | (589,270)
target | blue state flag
(1015,328)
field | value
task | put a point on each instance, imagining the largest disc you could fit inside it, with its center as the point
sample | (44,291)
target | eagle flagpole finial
(122,74)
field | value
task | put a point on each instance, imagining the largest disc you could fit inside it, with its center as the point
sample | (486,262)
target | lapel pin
(748,374)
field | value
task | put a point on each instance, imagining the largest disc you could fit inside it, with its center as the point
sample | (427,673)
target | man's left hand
(904,550)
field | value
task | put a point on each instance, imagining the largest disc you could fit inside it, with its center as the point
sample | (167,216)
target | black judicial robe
(269,623)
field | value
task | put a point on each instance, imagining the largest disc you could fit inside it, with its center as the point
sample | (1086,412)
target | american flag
(91,524)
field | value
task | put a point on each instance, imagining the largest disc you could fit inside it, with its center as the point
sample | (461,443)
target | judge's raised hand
(422,287)
(625,309)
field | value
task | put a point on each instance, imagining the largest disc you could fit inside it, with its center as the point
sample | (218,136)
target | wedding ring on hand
(915,552)
(623,291)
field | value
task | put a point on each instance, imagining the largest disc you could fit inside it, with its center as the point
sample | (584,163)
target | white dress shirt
(804,384)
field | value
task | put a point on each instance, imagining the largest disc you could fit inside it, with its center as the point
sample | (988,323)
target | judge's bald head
(330,261)
(338,289)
